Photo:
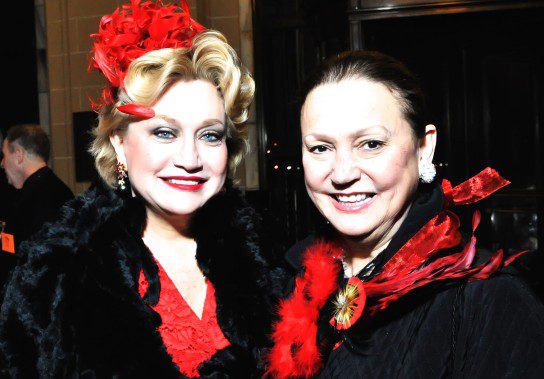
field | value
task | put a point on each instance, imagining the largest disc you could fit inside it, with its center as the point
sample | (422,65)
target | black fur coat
(72,309)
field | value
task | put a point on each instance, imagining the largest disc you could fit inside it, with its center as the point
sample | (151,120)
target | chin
(352,230)
(181,209)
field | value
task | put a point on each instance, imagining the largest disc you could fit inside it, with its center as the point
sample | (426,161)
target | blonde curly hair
(209,58)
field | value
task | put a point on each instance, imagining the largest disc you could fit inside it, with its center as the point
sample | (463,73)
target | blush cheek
(393,170)
(215,164)
(218,163)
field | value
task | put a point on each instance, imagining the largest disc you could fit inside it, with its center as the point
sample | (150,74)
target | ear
(427,144)
(117,141)
(19,153)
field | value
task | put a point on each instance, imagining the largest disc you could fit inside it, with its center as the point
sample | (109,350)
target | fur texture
(72,308)
(296,352)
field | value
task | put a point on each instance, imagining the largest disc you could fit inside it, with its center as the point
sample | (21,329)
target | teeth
(180,181)
(353,198)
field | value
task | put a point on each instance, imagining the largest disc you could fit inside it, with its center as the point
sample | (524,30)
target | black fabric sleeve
(500,332)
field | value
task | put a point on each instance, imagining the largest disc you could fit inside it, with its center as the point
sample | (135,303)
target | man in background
(41,193)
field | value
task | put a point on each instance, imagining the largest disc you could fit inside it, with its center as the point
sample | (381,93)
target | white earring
(427,172)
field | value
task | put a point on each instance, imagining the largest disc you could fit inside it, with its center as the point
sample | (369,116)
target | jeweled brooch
(349,304)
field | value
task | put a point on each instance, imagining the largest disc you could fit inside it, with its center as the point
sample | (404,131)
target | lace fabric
(188,339)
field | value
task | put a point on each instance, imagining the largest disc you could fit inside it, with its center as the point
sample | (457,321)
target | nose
(188,156)
(345,170)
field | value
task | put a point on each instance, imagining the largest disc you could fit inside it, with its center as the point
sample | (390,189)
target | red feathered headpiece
(133,30)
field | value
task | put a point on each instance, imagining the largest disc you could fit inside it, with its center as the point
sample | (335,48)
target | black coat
(27,209)
(40,199)
(483,329)
(72,307)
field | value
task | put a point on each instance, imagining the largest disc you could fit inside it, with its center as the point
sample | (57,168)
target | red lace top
(188,339)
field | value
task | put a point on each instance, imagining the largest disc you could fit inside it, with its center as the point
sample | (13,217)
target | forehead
(190,102)
(350,105)
(5,146)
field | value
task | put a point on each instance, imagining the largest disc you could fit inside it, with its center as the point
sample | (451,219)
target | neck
(360,251)
(31,167)
(169,241)
(166,228)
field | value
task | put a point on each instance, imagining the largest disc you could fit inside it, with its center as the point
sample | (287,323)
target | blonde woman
(155,272)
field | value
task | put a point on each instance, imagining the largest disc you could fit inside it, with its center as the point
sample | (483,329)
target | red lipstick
(196,185)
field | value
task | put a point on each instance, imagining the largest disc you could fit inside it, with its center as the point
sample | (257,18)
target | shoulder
(504,295)
(55,189)
(500,330)
(295,252)
(74,226)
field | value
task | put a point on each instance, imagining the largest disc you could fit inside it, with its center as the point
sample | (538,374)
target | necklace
(363,273)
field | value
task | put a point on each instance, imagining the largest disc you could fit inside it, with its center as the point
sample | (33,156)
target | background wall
(69,24)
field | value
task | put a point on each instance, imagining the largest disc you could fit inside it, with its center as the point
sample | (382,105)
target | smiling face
(360,158)
(177,160)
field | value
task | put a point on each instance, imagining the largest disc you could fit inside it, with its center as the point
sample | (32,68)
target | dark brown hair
(31,137)
(379,68)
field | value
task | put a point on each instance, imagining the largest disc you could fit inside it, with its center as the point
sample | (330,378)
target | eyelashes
(372,145)
(212,136)
(170,134)
(368,145)
(165,133)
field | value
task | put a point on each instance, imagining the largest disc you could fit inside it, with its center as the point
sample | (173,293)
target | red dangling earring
(121,176)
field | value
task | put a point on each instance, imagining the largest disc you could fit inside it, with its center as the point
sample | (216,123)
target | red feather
(137,110)
(135,29)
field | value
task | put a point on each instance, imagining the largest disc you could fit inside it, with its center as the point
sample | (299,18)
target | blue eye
(163,133)
(211,137)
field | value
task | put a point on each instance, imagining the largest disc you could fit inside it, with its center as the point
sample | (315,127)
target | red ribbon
(475,189)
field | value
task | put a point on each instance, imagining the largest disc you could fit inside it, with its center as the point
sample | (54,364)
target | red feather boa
(295,352)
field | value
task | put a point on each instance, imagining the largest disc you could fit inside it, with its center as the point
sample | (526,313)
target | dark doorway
(20,84)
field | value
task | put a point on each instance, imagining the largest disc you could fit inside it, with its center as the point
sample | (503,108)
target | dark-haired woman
(391,289)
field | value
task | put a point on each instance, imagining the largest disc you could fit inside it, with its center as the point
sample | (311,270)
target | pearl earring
(427,172)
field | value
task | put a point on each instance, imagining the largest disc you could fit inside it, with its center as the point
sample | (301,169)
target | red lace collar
(190,340)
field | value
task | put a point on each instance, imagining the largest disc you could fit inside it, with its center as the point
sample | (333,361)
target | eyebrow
(358,133)
(213,121)
(206,122)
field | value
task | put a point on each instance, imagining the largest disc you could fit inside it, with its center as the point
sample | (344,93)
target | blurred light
(276,167)
(267,151)
(289,167)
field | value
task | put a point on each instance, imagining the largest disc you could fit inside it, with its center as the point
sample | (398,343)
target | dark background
(19,79)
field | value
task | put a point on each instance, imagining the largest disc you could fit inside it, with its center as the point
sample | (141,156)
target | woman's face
(177,160)
(360,157)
